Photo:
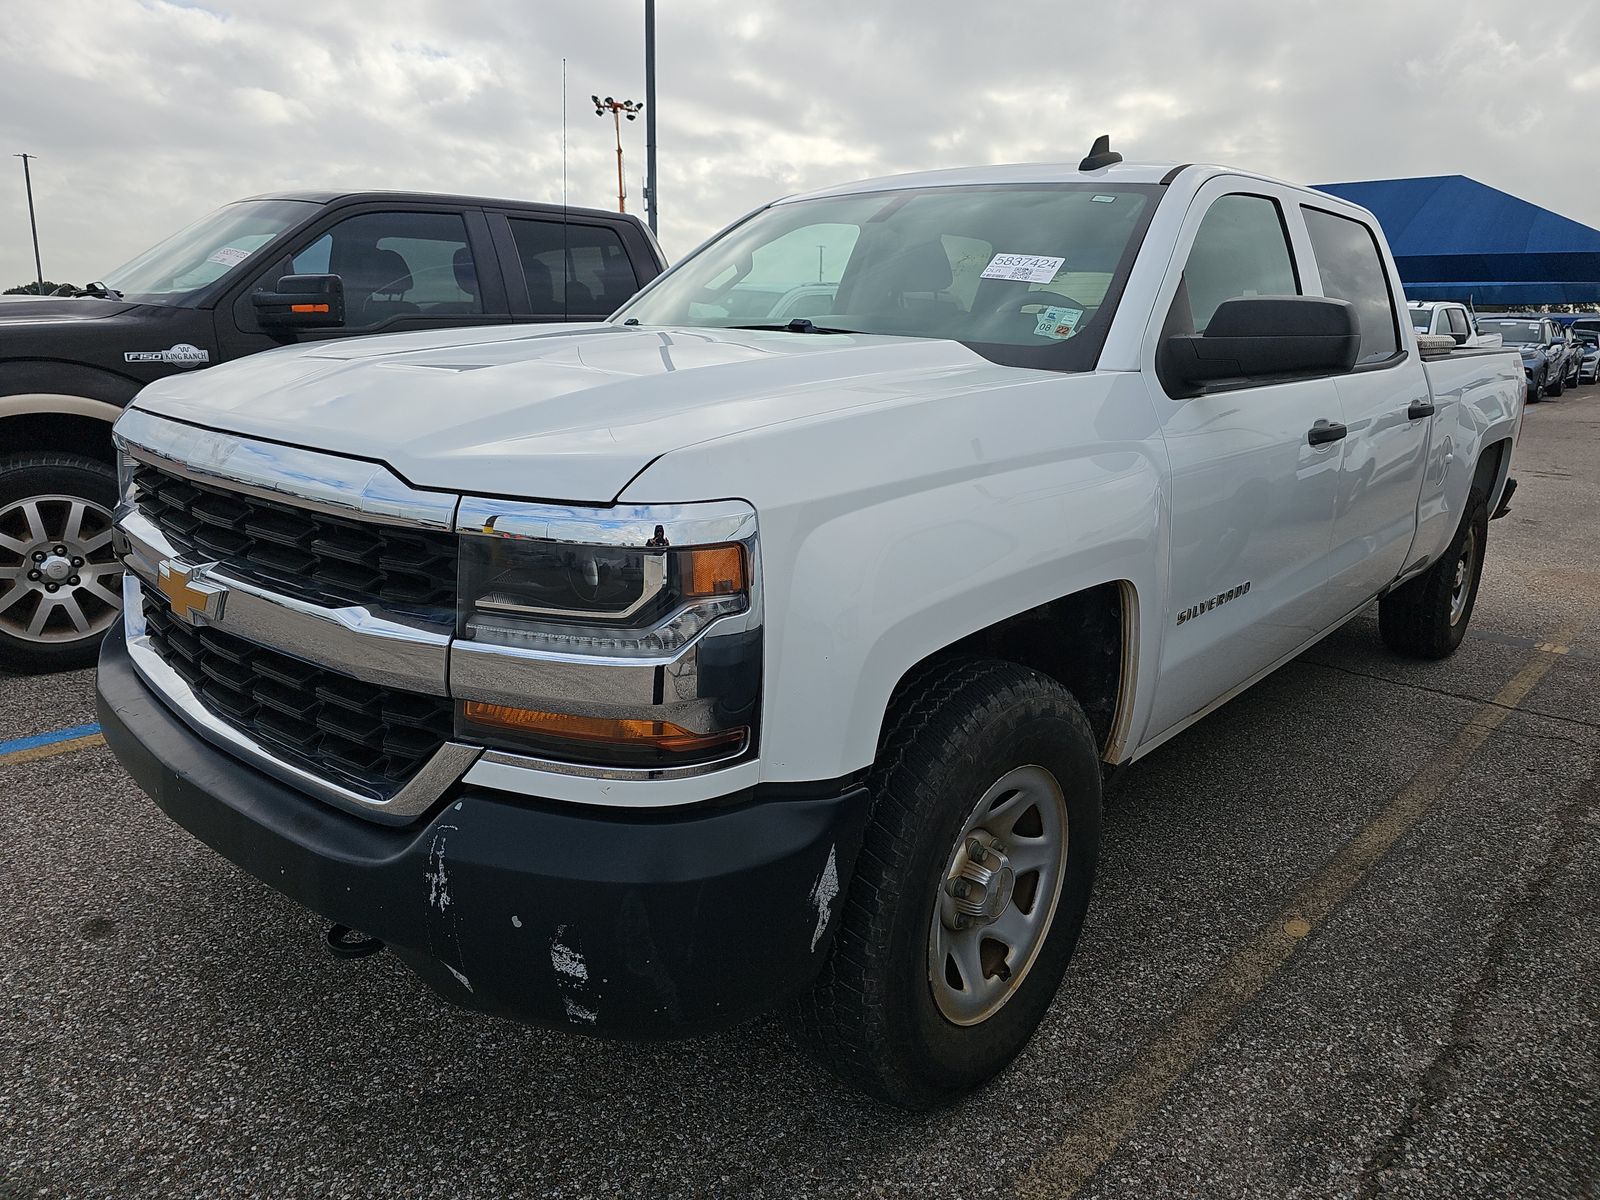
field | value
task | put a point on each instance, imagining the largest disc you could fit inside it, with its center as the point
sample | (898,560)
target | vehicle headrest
(920,267)
(377,271)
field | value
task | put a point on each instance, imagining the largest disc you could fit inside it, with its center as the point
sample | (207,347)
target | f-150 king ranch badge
(181,355)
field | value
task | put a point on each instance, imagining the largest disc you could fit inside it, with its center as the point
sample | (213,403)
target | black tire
(953,732)
(1553,387)
(1428,617)
(1535,391)
(23,478)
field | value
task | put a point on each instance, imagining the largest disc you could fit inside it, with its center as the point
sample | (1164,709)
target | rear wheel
(1427,617)
(60,580)
(971,888)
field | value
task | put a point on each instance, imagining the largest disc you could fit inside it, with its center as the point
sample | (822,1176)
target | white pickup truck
(1446,318)
(637,675)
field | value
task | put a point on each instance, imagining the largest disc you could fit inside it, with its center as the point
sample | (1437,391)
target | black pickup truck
(256,274)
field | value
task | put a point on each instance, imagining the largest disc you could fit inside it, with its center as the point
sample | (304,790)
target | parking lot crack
(1462,1045)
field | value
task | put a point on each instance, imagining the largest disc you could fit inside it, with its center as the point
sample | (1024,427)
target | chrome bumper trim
(326,483)
(448,764)
(372,646)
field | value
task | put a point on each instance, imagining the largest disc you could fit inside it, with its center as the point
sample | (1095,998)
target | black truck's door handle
(1419,409)
(1324,432)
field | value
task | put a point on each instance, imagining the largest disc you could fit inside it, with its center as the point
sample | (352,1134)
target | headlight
(616,638)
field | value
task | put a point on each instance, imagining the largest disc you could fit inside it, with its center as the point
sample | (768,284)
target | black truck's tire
(958,736)
(1553,387)
(1428,616)
(42,493)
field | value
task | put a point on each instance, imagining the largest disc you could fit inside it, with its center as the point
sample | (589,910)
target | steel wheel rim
(60,580)
(1462,587)
(1010,858)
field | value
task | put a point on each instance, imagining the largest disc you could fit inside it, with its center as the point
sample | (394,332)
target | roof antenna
(1100,154)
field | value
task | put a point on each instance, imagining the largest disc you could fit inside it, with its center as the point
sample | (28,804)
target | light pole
(651,203)
(27,179)
(618,109)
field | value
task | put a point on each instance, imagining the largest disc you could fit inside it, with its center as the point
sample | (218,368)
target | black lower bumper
(616,923)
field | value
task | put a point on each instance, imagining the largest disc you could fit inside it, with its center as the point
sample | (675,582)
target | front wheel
(971,888)
(60,581)
(1427,617)
(1554,387)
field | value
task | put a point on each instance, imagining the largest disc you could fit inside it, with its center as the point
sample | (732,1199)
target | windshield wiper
(798,325)
(98,290)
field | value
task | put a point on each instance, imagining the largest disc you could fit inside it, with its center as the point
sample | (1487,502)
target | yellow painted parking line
(1068,1163)
(34,753)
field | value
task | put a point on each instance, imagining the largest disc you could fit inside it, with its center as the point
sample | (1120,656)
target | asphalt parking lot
(1343,944)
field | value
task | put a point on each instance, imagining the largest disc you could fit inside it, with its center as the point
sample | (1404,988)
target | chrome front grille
(370,739)
(300,551)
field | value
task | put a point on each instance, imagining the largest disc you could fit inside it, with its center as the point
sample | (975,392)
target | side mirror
(1461,338)
(1266,337)
(301,302)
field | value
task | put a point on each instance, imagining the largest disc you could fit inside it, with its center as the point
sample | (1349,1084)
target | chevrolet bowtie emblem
(188,593)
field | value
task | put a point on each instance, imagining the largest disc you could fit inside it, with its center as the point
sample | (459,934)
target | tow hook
(344,942)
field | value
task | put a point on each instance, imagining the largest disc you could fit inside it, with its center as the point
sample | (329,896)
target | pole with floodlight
(618,109)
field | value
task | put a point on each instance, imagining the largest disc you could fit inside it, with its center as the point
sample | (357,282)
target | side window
(581,270)
(1458,321)
(1240,249)
(397,264)
(1351,268)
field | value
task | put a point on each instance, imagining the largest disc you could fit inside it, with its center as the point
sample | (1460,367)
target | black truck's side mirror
(1265,337)
(302,302)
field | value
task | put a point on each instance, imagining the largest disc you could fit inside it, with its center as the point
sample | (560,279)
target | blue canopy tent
(1454,238)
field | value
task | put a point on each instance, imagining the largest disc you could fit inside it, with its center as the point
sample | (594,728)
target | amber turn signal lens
(308,308)
(715,571)
(656,735)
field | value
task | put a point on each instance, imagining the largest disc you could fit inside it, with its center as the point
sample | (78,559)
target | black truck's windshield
(175,269)
(1027,274)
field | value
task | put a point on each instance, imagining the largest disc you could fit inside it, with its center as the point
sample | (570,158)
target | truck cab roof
(338,199)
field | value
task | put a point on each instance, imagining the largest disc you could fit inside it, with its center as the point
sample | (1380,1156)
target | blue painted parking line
(47,739)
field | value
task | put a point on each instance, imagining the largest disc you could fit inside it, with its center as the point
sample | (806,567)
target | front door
(1251,498)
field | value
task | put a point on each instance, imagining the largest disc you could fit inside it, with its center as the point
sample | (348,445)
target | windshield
(1028,275)
(207,250)
(1518,331)
(1587,336)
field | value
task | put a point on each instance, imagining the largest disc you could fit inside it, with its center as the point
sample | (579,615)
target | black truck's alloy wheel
(971,887)
(60,580)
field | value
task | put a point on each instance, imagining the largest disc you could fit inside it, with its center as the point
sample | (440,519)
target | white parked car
(638,675)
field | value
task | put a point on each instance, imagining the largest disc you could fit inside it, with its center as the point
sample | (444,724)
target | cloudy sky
(147,113)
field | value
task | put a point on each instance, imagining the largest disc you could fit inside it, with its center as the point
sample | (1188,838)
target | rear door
(575,270)
(1251,500)
(1387,408)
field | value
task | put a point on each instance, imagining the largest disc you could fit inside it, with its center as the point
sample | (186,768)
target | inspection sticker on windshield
(1058,322)
(228,256)
(1025,268)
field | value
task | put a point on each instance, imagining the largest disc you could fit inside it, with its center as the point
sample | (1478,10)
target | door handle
(1419,409)
(1324,432)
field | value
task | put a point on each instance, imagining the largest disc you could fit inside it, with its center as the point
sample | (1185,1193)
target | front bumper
(624,924)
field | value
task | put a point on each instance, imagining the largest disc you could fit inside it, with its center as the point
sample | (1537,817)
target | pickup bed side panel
(887,537)
(1478,399)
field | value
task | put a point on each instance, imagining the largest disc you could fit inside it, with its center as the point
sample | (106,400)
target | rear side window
(1351,269)
(581,270)
(1240,249)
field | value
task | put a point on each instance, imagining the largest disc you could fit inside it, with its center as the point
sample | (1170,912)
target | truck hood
(566,413)
(52,310)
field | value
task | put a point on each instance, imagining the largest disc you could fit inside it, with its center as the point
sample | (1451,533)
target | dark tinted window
(597,278)
(1347,258)
(397,264)
(1458,320)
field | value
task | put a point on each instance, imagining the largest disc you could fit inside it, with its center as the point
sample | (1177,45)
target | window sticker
(1104,199)
(1058,322)
(228,256)
(1024,268)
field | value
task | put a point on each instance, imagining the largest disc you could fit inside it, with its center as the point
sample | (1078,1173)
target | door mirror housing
(301,302)
(1461,338)
(1260,338)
